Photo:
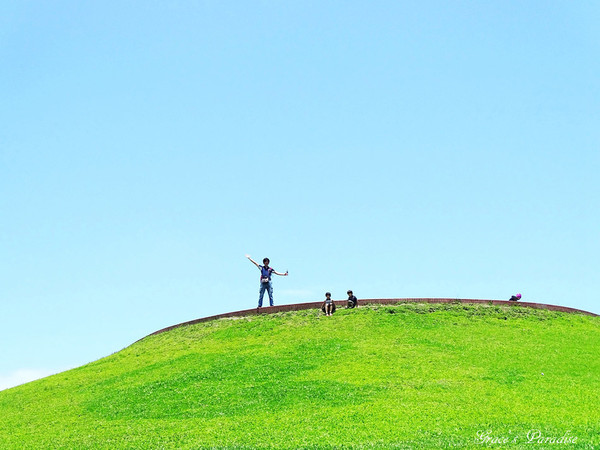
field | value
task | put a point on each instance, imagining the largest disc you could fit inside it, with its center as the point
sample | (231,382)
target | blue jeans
(269,288)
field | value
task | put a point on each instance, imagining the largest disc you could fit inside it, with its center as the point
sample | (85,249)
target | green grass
(403,376)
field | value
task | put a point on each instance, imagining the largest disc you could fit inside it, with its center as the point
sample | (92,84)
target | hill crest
(374,301)
(403,375)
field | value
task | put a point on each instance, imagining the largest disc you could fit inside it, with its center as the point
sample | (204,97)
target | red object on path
(375,301)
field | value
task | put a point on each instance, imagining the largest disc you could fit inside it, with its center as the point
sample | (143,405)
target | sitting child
(352,300)
(328,305)
(515,298)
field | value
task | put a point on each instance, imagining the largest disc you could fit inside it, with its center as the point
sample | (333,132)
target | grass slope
(403,376)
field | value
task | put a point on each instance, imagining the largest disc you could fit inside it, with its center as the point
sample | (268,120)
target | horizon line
(363,302)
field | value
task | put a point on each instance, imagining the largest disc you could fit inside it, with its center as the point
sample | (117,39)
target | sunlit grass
(403,376)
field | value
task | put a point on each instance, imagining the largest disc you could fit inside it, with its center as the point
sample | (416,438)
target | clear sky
(398,148)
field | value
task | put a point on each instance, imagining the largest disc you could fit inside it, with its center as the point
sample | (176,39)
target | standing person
(328,306)
(265,279)
(352,300)
(515,298)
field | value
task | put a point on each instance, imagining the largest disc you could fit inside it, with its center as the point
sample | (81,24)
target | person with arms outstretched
(265,279)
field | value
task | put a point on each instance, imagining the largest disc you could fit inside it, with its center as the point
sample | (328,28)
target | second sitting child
(328,307)
(352,300)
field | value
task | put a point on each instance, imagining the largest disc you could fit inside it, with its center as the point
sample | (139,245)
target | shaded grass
(400,376)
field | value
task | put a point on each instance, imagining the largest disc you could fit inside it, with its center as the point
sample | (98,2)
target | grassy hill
(402,376)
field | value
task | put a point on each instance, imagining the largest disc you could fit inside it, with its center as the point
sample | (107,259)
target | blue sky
(401,149)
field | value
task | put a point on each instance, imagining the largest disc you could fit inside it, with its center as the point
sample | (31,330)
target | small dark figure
(328,306)
(352,300)
(515,298)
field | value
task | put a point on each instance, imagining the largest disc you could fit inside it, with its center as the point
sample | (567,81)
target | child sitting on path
(328,306)
(352,300)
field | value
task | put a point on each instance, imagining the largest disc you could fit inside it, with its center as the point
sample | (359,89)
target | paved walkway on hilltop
(376,301)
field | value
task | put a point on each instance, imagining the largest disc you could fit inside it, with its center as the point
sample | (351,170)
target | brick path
(376,301)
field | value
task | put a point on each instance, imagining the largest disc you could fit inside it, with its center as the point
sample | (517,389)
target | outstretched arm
(252,261)
(281,274)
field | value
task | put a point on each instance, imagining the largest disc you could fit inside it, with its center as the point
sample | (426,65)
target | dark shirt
(352,301)
(265,273)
